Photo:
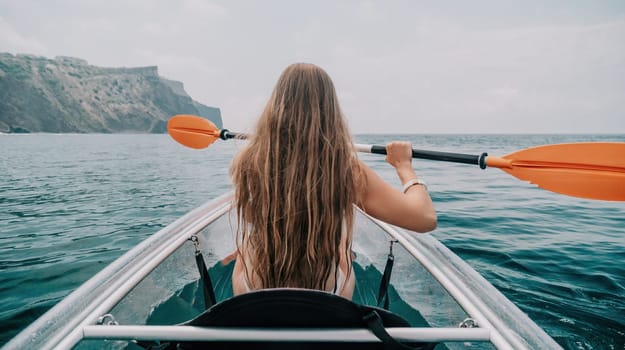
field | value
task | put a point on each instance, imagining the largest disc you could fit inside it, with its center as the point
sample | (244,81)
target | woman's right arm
(412,210)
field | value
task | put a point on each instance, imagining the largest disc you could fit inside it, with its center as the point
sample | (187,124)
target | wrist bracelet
(413,182)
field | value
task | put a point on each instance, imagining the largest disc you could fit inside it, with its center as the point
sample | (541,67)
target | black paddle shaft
(480,160)
(441,156)
(226,134)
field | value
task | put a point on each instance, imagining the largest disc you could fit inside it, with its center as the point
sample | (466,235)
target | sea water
(71,204)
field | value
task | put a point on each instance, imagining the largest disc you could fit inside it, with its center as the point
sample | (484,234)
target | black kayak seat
(298,308)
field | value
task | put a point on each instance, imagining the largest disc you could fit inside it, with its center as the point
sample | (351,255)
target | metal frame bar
(190,333)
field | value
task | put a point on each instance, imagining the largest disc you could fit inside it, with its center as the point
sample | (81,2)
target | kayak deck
(154,287)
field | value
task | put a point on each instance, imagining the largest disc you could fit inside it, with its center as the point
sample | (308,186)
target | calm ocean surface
(71,204)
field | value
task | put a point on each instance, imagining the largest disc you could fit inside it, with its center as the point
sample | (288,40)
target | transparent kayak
(147,294)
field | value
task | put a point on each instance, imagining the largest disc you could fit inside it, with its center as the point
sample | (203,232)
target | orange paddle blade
(192,131)
(588,170)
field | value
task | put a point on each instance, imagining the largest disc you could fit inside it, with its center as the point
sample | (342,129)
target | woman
(295,186)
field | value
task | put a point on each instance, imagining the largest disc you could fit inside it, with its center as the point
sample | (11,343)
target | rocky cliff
(65,94)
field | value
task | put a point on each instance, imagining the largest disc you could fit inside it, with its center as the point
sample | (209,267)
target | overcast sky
(399,66)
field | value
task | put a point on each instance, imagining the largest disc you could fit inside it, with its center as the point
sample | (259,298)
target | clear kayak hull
(155,286)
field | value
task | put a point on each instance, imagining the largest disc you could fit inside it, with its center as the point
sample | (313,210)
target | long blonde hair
(295,185)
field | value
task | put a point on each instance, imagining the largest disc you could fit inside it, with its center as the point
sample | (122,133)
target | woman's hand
(399,155)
